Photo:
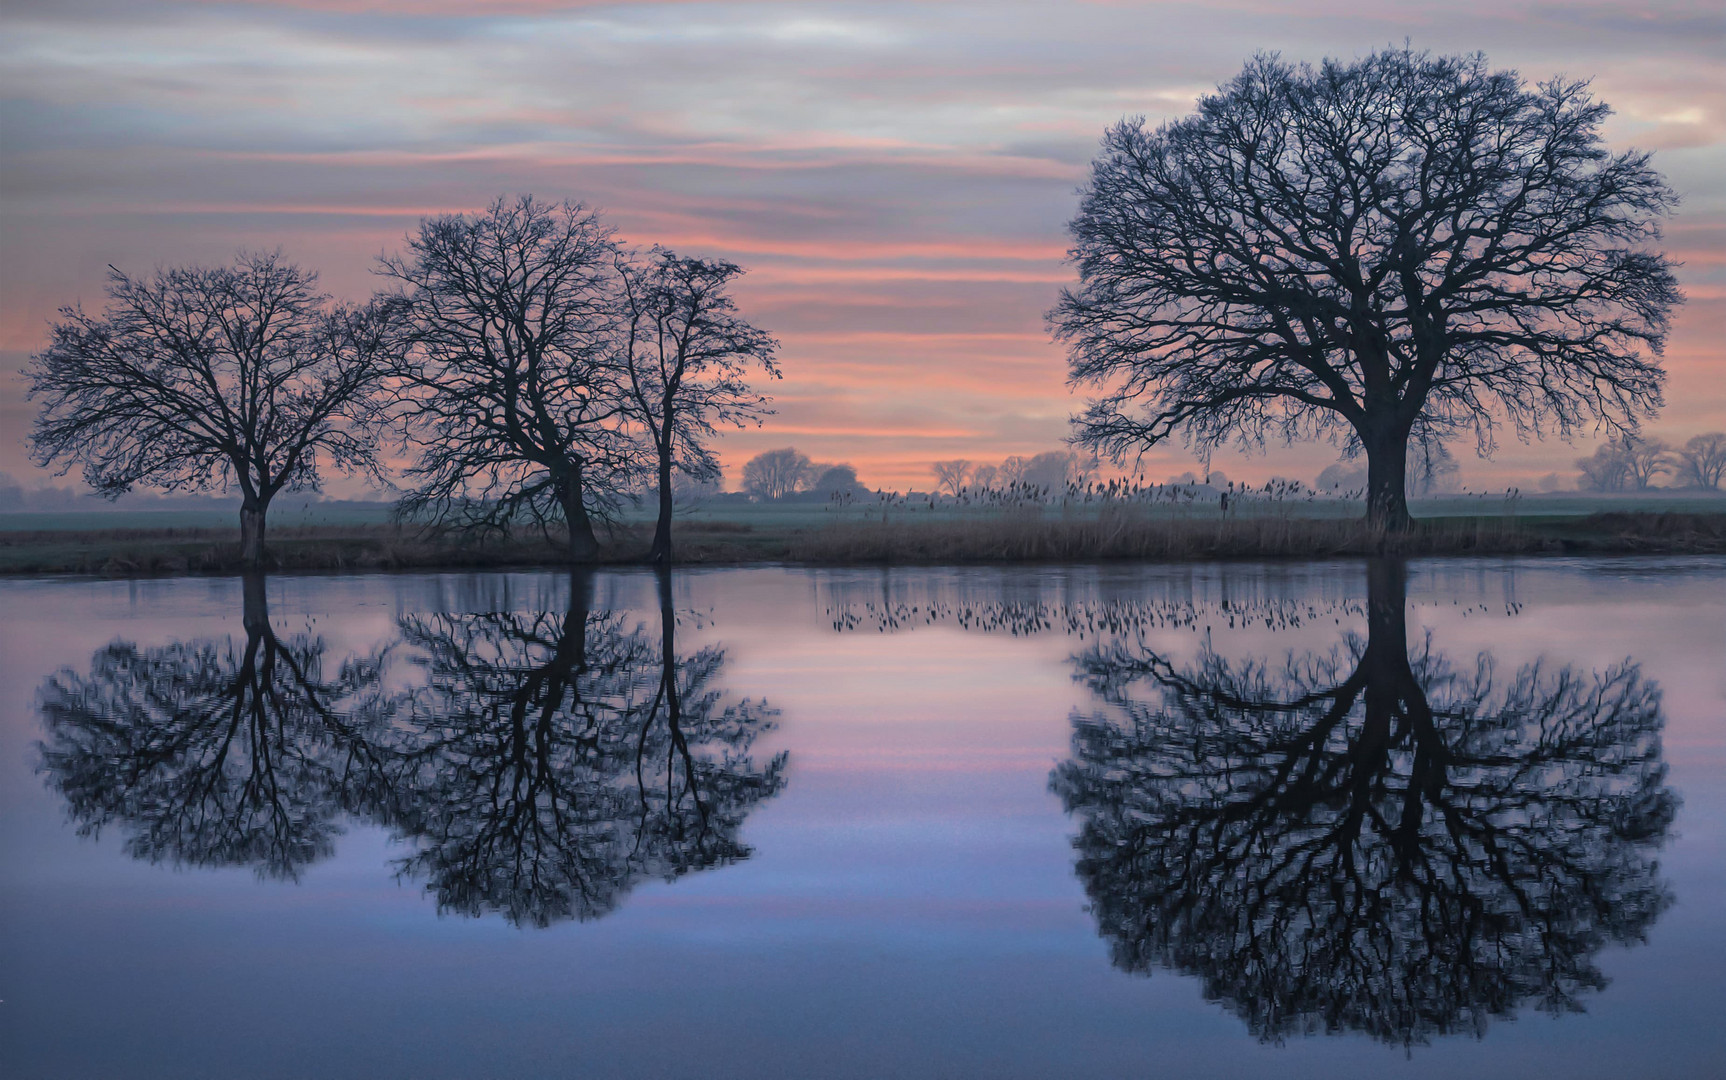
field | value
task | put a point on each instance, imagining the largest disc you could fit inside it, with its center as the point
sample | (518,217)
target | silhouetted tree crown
(214,377)
(1390,249)
(515,405)
(685,353)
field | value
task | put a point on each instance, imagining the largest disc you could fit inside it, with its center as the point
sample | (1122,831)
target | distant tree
(1394,248)
(950,476)
(686,355)
(838,480)
(1701,462)
(1431,467)
(984,476)
(1605,469)
(1645,459)
(774,474)
(515,404)
(1055,469)
(209,378)
(1013,470)
(1625,462)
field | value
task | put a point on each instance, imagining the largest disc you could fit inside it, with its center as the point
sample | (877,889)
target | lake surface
(1294,820)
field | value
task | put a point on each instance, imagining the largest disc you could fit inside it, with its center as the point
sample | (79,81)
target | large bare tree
(198,378)
(514,402)
(1384,250)
(686,355)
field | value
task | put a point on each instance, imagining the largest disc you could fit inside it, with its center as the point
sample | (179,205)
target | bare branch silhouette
(1391,249)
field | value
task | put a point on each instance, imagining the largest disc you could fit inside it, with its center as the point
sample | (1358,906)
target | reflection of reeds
(1120,532)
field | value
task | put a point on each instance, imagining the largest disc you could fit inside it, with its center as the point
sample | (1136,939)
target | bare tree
(515,405)
(209,378)
(1394,248)
(1702,460)
(1625,463)
(1604,470)
(984,476)
(1013,470)
(1645,459)
(685,353)
(1055,469)
(774,474)
(950,476)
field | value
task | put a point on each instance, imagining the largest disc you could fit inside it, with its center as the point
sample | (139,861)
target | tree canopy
(1384,250)
(210,377)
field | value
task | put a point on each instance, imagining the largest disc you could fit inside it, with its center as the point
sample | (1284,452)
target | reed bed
(1018,534)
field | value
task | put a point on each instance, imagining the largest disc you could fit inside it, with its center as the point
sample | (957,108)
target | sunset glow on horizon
(896,177)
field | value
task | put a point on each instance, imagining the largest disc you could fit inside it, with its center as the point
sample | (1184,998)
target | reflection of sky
(895,175)
(910,909)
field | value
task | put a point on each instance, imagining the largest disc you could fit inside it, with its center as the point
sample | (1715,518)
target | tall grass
(1024,533)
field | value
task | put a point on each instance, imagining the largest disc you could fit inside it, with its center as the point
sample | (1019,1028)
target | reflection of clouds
(883,167)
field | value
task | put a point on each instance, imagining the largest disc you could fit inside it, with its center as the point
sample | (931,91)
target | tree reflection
(554,760)
(1370,840)
(214,753)
(548,763)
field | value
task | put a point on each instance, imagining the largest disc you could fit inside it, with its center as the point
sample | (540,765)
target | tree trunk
(583,547)
(572,645)
(660,555)
(255,611)
(1387,481)
(252,533)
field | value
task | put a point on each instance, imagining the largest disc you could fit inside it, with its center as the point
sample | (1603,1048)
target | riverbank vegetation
(892,537)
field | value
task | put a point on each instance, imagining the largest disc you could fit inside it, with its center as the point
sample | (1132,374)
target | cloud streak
(896,175)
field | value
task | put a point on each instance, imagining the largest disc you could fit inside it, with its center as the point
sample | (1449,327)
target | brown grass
(1018,536)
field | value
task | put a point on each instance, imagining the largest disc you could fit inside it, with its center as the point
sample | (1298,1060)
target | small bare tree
(774,474)
(1012,470)
(1702,461)
(1605,469)
(1645,459)
(950,476)
(686,355)
(1384,250)
(240,376)
(514,402)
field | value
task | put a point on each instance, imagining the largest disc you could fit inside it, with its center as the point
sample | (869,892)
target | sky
(896,177)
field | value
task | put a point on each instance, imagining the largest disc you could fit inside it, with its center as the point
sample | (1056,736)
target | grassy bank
(1014,536)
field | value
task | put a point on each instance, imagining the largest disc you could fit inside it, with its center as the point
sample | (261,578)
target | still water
(1321,820)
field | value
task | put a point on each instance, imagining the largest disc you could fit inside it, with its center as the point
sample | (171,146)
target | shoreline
(1026,539)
